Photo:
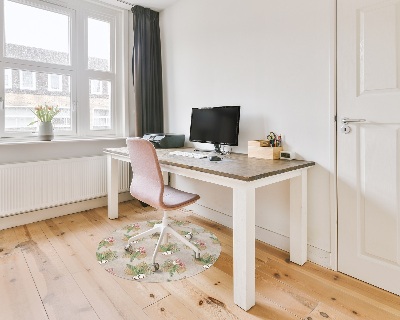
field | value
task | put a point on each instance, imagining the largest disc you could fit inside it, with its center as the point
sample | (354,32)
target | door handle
(345,128)
(347,120)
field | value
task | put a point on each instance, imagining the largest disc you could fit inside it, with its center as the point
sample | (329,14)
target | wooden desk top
(235,165)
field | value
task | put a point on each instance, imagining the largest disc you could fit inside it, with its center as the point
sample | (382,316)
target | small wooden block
(259,143)
(254,150)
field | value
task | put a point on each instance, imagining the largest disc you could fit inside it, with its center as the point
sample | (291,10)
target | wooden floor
(48,270)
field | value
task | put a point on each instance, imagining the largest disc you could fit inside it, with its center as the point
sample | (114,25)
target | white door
(368,84)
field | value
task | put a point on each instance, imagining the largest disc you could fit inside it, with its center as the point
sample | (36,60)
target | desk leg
(244,247)
(166,178)
(112,187)
(298,218)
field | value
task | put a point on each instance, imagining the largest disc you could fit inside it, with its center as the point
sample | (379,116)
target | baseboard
(212,215)
(315,255)
(49,213)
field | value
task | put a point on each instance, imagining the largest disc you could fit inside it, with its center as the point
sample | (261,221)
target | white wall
(273,58)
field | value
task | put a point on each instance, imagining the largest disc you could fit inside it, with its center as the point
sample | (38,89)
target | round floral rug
(176,260)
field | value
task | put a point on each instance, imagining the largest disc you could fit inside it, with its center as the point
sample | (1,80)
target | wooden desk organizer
(258,149)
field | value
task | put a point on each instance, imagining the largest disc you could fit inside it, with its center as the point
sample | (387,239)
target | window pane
(98,45)
(27,80)
(19,101)
(54,82)
(45,37)
(7,79)
(100,105)
(96,87)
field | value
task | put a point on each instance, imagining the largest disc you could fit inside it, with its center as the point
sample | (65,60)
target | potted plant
(45,115)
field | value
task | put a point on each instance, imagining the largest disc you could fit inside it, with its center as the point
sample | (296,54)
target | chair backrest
(147,182)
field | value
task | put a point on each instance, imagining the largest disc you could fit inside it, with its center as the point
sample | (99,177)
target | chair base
(163,228)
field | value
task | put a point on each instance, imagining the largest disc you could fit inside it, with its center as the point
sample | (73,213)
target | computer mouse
(214,158)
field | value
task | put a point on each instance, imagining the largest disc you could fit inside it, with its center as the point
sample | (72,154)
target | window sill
(60,139)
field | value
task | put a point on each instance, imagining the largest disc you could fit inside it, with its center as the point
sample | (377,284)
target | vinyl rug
(175,259)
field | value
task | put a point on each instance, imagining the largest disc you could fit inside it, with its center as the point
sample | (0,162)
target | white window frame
(110,75)
(39,67)
(79,11)
(55,6)
(22,86)
(8,84)
(101,18)
(50,82)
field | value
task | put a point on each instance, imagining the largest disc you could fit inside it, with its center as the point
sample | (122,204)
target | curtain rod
(143,7)
(127,3)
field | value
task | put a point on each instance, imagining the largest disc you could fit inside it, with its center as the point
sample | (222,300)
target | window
(100,118)
(54,82)
(39,42)
(7,79)
(100,107)
(98,45)
(20,101)
(96,87)
(71,64)
(27,80)
(101,77)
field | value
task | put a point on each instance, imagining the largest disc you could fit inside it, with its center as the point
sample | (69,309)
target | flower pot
(45,131)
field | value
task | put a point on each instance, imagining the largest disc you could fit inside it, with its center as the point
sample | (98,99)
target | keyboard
(188,154)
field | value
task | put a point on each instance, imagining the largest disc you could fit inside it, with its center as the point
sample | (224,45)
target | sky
(30,26)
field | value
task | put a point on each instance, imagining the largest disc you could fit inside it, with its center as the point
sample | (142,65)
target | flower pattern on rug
(152,223)
(106,242)
(106,256)
(207,260)
(136,253)
(169,248)
(172,266)
(176,260)
(139,271)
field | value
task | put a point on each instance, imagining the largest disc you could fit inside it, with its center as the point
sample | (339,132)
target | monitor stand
(217,148)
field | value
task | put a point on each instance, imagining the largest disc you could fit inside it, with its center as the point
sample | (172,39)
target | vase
(45,131)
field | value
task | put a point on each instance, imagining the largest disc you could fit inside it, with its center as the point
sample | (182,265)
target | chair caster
(197,255)
(155,267)
(189,235)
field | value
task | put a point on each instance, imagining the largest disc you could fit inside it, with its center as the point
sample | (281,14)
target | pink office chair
(148,186)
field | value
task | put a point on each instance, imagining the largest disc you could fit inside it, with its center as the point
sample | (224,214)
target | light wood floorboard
(48,270)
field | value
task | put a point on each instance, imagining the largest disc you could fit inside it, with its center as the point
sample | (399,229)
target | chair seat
(174,198)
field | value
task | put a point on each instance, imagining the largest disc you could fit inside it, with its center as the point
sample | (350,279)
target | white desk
(243,175)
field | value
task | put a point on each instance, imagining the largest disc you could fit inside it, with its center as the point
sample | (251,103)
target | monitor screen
(219,125)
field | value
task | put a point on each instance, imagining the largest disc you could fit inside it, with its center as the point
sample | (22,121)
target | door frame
(334,127)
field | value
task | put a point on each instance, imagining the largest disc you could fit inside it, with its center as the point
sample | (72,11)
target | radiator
(38,185)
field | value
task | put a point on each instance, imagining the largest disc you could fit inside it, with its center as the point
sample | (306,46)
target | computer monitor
(218,125)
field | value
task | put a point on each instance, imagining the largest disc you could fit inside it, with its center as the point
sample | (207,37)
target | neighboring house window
(7,79)
(68,59)
(100,106)
(96,87)
(101,119)
(54,82)
(27,80)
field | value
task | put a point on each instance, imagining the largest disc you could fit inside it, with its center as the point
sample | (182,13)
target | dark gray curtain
(147,71)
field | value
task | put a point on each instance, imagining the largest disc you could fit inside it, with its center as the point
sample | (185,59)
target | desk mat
(175,259)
